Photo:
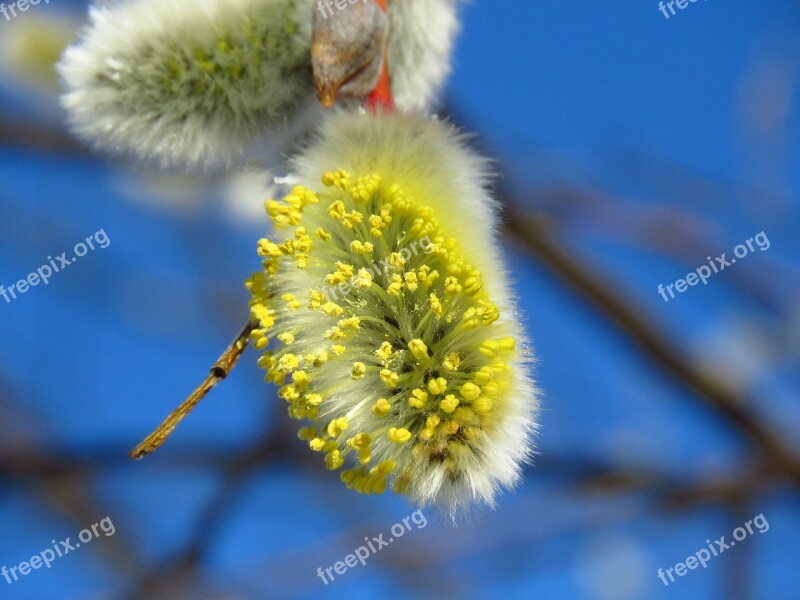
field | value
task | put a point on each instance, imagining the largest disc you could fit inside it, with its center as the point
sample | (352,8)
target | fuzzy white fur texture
(184,83)
(421,39)
(180,84)
(432,162)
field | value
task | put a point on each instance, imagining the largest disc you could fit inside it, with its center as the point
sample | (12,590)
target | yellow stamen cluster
(389,343)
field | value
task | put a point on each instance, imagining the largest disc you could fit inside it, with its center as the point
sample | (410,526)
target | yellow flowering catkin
(399,345)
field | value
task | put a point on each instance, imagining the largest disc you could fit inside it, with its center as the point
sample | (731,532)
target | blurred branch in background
(60,482)
(27,136)
(532,233)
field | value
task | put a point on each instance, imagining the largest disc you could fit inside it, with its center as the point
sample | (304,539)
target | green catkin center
(247,74)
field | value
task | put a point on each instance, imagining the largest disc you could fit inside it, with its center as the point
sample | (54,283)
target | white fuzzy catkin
(191,82)
(198,82)
(421,38)
(411,366)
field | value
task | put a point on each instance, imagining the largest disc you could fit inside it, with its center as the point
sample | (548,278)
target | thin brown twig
(532,232)
(219,371)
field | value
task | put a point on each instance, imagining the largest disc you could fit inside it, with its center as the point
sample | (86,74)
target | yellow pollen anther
(382,408)
(364,279)
(364,188)
(316,300)
(399,436)
(359,370)
(265,316)
(484,376)
(301,380)
(472,285)
(471,319)
(307,433)
(384,352)
(344,272)
(314,399)
(464,415)
(352,219)
(490,348)
(451,286)
(377,223)
(351,323)
(449,404)
(411,281)
(501,366)
(289,393)
(318,359)
(361,247)
(452,362)
(337,426)
(418,398)
(332,309)
(437,386)
(389,378)
(337,210)
(266,248)
(418,349)
(340,179)
(334,333)
(436,305)
(396,287)
(507,344)
(334,460)
(396,260)
(384,469)
(301,262)
(470,391)
(426,434)
(433,421)
(289,363)
(360,441)
(322,234)
(482,406)
(491,389)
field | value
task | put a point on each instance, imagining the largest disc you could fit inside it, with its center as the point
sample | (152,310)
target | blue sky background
(645,144)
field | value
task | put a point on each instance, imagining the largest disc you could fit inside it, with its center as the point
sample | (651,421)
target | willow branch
(219,371)
(532,232)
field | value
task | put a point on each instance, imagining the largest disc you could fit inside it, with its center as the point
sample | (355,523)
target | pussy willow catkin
(189,82)
(199,82)
(385,314)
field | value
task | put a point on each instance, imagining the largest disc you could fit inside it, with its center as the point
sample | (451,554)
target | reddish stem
(381,96)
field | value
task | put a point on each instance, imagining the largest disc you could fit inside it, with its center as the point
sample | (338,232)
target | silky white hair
(421,40)
(183,83)
(433,162)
